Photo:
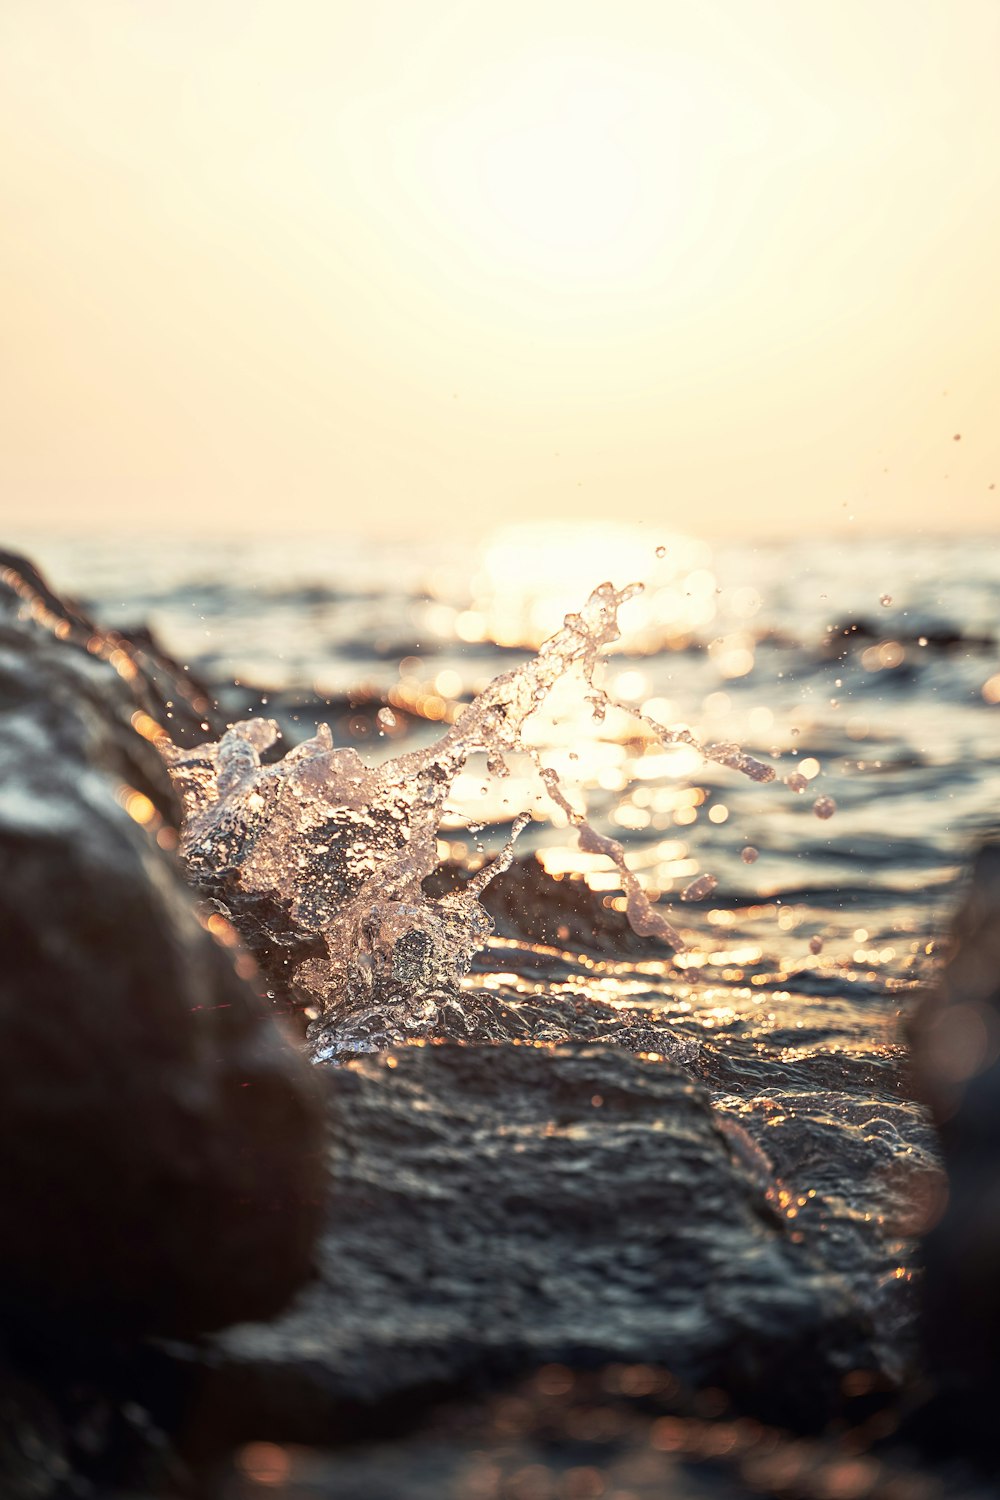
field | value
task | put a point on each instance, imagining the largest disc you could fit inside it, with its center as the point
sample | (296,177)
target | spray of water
(336,851)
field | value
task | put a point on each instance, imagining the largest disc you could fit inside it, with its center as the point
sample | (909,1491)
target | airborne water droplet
(699,888)
(885,600)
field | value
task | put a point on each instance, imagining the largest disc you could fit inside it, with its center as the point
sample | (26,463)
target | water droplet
(699,888)
(661,551)
(885,601)
(824,807)
(815,945)
(749,855)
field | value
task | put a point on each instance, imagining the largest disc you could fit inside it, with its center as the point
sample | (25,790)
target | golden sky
(392,265)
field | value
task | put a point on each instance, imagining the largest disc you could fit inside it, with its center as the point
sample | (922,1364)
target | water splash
(326,856)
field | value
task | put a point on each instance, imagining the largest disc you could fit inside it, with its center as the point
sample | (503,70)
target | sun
(560,170)
(568,167)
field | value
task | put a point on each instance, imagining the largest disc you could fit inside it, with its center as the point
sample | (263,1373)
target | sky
(403,269)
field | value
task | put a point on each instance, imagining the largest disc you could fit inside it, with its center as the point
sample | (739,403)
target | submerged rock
(506,1207)
(161,1166)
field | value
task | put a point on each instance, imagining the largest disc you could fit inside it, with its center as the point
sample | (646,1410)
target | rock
(500,1208)
(956,1052)
(169,695)
(161,1168)
(526,902)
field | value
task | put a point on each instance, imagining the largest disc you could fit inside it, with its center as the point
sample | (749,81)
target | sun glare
(567,168)
(564,171)
(534,573)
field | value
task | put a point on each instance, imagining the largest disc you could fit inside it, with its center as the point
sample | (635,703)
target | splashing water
(326,856)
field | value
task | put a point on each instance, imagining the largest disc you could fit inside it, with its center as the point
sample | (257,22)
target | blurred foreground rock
(160,1168)
(956,1048)
(612,1434)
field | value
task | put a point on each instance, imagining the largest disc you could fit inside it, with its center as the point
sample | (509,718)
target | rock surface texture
(503,1207)
(161,1167)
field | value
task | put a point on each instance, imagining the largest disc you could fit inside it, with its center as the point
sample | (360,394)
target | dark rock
(526,902)
(170,695)
(484,1017)
(161,1163)
(507,1207)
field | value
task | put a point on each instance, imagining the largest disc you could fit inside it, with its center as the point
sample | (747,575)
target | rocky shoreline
(562,1228)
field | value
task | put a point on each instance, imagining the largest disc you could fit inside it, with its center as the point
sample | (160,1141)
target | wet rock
(161,1163)
(169,695)
(526,902)
(484,1017)
(507,1207)
(956,1052)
